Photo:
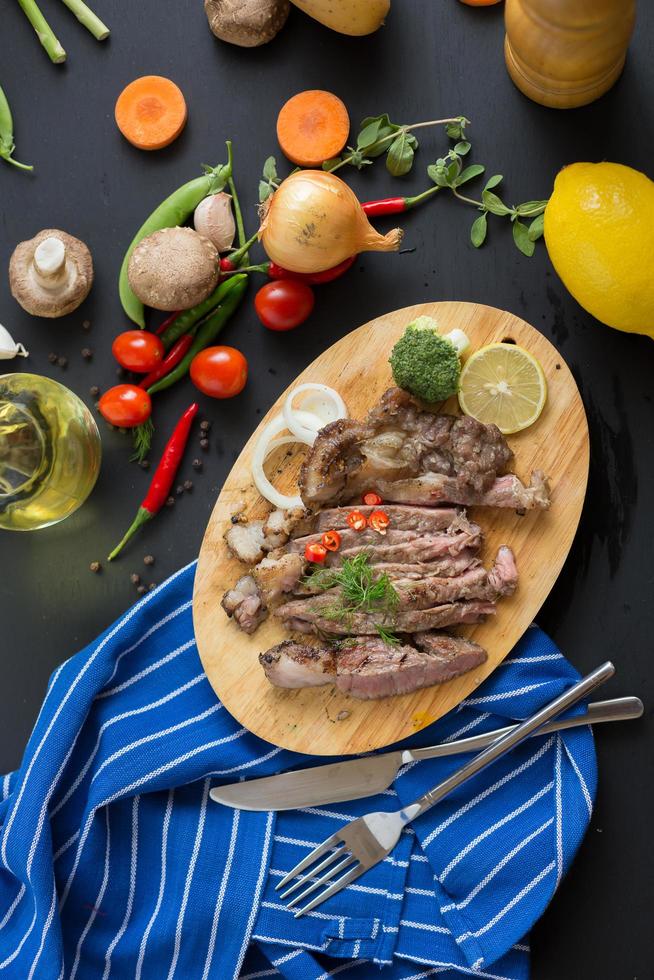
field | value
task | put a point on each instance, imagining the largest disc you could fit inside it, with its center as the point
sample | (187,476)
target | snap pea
(188,318)
(175,210)
(7,134)
(207,332)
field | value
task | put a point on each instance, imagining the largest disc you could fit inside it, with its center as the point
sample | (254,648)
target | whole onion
(314,221)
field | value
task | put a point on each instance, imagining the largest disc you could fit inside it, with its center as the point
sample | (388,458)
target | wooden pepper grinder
(566,53)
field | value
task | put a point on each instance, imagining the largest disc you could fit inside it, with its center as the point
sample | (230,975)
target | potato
(353,17)
(247,23)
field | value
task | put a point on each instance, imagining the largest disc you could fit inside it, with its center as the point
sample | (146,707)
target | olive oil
(49,452)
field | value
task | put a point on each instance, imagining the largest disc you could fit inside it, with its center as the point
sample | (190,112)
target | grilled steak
(277,574)
(450,459)
(245,604)
(293,665)
(303,620)
(372,669)
(369,668)
(446,567)
(422,519)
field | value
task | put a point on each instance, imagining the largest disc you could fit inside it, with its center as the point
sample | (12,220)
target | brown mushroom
(173,269)
(247,23)
(51,274)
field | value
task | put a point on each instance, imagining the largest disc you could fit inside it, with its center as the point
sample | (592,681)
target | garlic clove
(214,219)
(8,347)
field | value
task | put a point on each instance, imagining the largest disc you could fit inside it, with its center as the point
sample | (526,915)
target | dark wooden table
(433,59)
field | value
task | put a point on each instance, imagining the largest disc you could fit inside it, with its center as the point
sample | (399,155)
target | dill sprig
(388,636)
(360,590)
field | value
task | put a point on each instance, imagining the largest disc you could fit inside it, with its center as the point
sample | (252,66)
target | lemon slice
(504,384)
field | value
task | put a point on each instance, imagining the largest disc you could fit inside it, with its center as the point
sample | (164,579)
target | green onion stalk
(88,19)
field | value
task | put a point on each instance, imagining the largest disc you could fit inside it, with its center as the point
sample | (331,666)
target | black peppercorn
(135,578)
(205,426)
(94,391)
(197,464)
(148,560)
(188,485)
(95,566)
(52,358)
(170,502)
(204,444)
(87,353)
(62,362)
(141,590)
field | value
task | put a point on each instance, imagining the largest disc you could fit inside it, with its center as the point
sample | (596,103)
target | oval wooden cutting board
(321,721)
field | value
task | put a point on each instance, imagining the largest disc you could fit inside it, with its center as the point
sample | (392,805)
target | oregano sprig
(378,135)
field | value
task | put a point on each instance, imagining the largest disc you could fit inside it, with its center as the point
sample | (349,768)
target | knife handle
(617,709)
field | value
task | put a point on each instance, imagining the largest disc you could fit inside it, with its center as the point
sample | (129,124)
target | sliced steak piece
(249,542)
(432,489)
(402,519)
(303,620)
(412,456)
(426,548)
(245,604)
(294,665)
(446,567)
(373,669)
(278,574)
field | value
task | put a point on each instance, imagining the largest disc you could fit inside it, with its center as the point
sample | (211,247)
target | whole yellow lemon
(599,232)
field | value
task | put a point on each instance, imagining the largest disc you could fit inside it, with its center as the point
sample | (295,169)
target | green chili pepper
(188,318)
(175,210)
(207,332)
(7,134)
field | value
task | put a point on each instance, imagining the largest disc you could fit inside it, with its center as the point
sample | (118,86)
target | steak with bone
(369,668)
(412,456)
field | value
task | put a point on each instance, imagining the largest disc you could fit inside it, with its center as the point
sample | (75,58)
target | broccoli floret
(426,363)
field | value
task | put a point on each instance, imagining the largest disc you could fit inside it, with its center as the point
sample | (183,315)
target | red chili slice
(379,521)
(315,552)
(356,520)
(331,540)
(372,499)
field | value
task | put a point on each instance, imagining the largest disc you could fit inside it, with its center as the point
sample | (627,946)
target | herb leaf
(381,127)
(531,208)
(462,148)
(437,173)
(265,190)
(387,636)
(270,169)
(400,155)
(478,230)
(474,170)
(493,204)
(493,181)
(522,240)
(536,228)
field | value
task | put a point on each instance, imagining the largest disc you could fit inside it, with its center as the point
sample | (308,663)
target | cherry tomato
(138,350)
(356,520)
(125,406)
(315,552)
(220,372)
(372,499)
(284,304)
(331,540)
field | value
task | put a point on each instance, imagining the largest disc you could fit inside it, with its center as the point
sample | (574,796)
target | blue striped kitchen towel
(114,863)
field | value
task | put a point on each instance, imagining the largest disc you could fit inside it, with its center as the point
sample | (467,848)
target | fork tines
(338,858)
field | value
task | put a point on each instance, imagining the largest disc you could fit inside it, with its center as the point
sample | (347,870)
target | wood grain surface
(311,720)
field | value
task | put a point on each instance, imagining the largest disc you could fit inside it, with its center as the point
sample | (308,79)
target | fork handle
(504,744)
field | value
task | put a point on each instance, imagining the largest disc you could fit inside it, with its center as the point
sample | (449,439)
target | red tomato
(220,372)
(125,406)
(284,305)
(138,350)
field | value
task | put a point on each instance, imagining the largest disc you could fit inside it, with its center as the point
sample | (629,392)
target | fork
(364,842)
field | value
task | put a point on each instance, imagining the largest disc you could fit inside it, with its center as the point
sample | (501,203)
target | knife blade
(357,778)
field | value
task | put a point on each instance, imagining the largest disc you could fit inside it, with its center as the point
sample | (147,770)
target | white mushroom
(51,274)
(173,269)
(214,219)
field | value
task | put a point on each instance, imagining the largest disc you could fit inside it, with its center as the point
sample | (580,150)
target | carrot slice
(151,112)
(312,126)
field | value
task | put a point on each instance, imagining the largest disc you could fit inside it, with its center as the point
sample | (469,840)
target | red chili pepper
(372,499)
(311,278)
(226,265)
(396,205)
(163,478)
(169,319)
(171,360)
(379,521)
(331,540)
(315,552)
(356,520)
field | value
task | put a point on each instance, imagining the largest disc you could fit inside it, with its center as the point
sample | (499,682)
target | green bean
(188,318)
(175,210)
(7,134)
(208,331)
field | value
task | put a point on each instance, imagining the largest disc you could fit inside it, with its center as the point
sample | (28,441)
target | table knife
(358,778)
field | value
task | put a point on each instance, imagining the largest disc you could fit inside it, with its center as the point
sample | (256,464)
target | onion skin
(314,221)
